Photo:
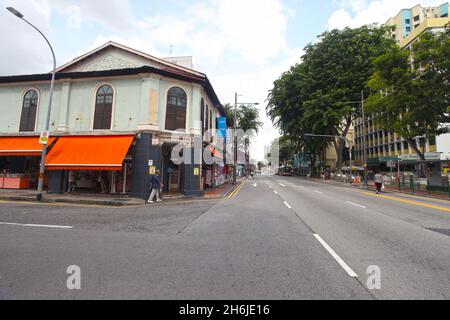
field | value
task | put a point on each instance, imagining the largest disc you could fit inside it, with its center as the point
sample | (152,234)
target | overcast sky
(242,45)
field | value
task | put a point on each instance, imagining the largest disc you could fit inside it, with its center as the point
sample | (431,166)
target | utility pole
(235,138)
(364,139)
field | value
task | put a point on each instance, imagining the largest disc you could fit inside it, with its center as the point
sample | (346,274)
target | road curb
(368,188)
(77,201)
(113,203)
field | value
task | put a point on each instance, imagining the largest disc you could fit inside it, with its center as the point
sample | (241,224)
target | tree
(316,96)
(288,149)
(260,165)
(412,99)
(248,120)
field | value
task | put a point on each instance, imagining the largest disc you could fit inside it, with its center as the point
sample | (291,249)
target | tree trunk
(340,146)
(422,166)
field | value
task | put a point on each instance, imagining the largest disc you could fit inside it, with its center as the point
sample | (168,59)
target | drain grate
(442,231)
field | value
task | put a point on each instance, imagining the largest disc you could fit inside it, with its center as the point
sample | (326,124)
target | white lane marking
(284,186)
(319,192)
(270,187)
(341,262)
(255,185)
(35,225)
(355,204)
(275,192)
(287,205)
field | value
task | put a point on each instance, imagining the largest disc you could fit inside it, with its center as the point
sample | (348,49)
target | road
(276,238)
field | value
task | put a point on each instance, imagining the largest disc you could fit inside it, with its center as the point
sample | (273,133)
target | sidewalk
(222,191)
(117,200)
(388,189)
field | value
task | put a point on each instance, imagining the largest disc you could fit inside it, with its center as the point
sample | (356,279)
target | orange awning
(21,146)
(89,153)
(216,152)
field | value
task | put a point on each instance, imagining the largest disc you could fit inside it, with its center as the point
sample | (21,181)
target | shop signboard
(433,156)
(409,157)
(388,159)
(43,139)
(196,171)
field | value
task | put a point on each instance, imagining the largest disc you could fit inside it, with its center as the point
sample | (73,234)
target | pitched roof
(110,44)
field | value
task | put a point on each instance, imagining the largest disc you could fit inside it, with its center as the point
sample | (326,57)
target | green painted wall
(73,103)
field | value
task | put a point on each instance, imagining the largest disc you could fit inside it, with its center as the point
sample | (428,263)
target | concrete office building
(383,146)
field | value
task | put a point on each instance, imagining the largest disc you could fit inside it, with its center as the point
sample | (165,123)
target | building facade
(383,147)
(410,22)
(117,114)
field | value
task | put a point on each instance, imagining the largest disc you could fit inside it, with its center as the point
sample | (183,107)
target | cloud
(241,45)
(112,14)
(355,13)
(23,49)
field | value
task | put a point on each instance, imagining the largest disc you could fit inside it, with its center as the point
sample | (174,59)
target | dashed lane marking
(287,205)
(341,262)
(356,205)
(283,185)
(35,225)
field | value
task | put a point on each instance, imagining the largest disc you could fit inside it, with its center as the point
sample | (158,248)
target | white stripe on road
(287,205)
(275,192)
(35,225)
(319,192)
(284,186)
(347,269)
(255,185)
(356,205)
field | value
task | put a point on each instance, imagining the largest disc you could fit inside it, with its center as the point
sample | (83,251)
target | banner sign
(222,126)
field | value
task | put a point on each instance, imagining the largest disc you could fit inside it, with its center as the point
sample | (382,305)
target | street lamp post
(47,121)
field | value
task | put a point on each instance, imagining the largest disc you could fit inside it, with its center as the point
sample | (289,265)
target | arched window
(202,115)
(207,118)
(176,109)
(103,108)
(29,110)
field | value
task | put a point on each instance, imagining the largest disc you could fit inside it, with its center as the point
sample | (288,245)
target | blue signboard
(222,126)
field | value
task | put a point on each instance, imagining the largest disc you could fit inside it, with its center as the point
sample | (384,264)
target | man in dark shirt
(156,185)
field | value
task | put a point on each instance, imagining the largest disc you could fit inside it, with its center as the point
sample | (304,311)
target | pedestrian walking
(72,181)
(156,185)
(378,182)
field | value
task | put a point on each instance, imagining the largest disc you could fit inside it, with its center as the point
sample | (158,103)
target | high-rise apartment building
(411,22)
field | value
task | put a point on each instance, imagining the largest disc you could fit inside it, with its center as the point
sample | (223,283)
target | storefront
(98,164)
(214,175)
(19,161)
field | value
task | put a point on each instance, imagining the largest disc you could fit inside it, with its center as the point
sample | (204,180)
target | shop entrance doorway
(172,176)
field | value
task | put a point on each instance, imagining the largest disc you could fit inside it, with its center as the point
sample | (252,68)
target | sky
(242,45)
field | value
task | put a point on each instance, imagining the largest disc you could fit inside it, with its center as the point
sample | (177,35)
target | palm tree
(248,120)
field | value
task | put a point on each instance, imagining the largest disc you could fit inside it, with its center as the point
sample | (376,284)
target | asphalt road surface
(277,238)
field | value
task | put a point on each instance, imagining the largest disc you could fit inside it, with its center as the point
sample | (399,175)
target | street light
(342,138)
(47,122)
(235,136)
